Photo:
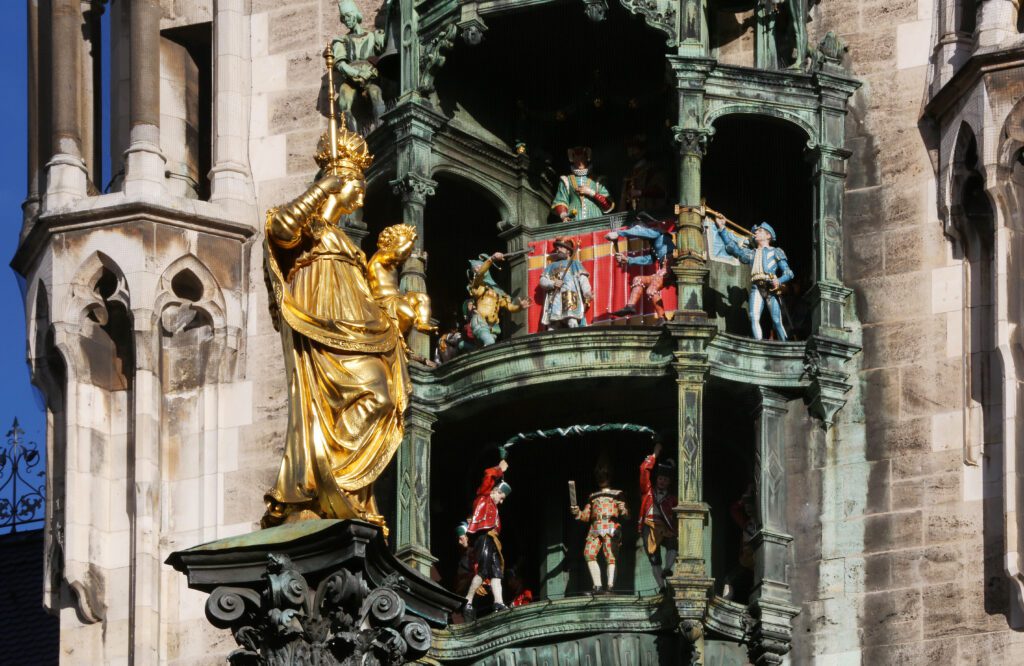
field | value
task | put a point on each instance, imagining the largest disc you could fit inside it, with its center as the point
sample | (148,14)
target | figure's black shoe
(498,608)
(469,613)
(598,590)
(624,312)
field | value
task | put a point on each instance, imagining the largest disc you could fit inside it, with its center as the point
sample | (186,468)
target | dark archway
(550,78)
(460,223)
(756,171)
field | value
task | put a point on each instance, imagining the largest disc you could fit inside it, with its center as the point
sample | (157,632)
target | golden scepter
(329,57)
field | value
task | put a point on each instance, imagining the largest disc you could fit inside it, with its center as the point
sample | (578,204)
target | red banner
(609,282)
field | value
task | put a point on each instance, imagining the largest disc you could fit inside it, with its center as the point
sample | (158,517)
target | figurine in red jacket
(657,518)
(485,556)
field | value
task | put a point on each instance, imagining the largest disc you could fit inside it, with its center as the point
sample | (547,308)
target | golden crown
(353,153)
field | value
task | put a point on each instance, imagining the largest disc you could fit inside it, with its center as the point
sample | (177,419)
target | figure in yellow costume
(341,328)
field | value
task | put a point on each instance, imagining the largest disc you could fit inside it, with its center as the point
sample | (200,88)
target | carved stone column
(770,604)
(997,22)
(952,47)
(412,515)
(66,173)
(692,137)
(30,207)
(230,179)
(144,173)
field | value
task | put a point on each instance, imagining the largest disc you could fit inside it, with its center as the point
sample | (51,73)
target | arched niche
(191,319)
(548,78)
(100,305)
(460,223)
(756,170)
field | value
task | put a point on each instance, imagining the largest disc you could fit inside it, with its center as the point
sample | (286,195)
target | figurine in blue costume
(580,197)
(768,270)
(567,286)
(662,245)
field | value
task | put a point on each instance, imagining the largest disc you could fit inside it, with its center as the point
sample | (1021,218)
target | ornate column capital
(413,188)
(692,141)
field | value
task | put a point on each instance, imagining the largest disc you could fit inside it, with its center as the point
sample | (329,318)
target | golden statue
(342,321)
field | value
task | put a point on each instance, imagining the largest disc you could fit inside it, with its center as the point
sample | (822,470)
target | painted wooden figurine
(657,518)
(660,235)
(603,510)
(580,197)
(567,286)
(769,269)
(482,535)
(487,301)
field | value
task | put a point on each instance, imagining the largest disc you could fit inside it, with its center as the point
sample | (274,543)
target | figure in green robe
(580,197)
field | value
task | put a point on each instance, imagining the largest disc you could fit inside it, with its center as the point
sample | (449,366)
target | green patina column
(414,124)
(691,135)
(412,514)
(829,179)
(770,601)
(690,580)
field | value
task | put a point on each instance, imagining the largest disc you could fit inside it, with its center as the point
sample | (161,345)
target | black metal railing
(22,486)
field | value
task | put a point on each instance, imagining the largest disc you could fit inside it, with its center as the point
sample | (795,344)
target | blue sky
(17,397)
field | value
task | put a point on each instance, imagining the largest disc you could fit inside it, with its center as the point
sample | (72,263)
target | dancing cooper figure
(342,323)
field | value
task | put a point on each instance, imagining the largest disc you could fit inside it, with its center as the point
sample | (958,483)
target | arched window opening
(755,171)
(110,350)
(461,224)
(550,79)
(187,286)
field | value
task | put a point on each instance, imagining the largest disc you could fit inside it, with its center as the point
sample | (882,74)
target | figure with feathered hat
(482,537)
(487,300)
(566,284)
(604,509)
(657,516)
(769,269)
(580,197)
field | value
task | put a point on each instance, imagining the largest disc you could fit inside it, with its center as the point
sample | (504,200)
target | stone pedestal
(317,591)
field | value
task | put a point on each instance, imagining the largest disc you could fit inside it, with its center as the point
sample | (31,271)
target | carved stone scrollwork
(343,623)
(413,187)
(659,14)
(432,57)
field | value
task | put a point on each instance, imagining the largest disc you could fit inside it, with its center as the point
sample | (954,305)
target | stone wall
(908,532)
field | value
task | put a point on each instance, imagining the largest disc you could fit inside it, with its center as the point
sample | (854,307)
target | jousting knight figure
(768,270)
(578,196)
(485,556)
(657,516)
(603,510)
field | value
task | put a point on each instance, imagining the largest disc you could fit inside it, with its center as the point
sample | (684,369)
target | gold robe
(347,375)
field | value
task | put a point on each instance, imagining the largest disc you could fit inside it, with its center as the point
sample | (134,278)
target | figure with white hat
(769,269)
